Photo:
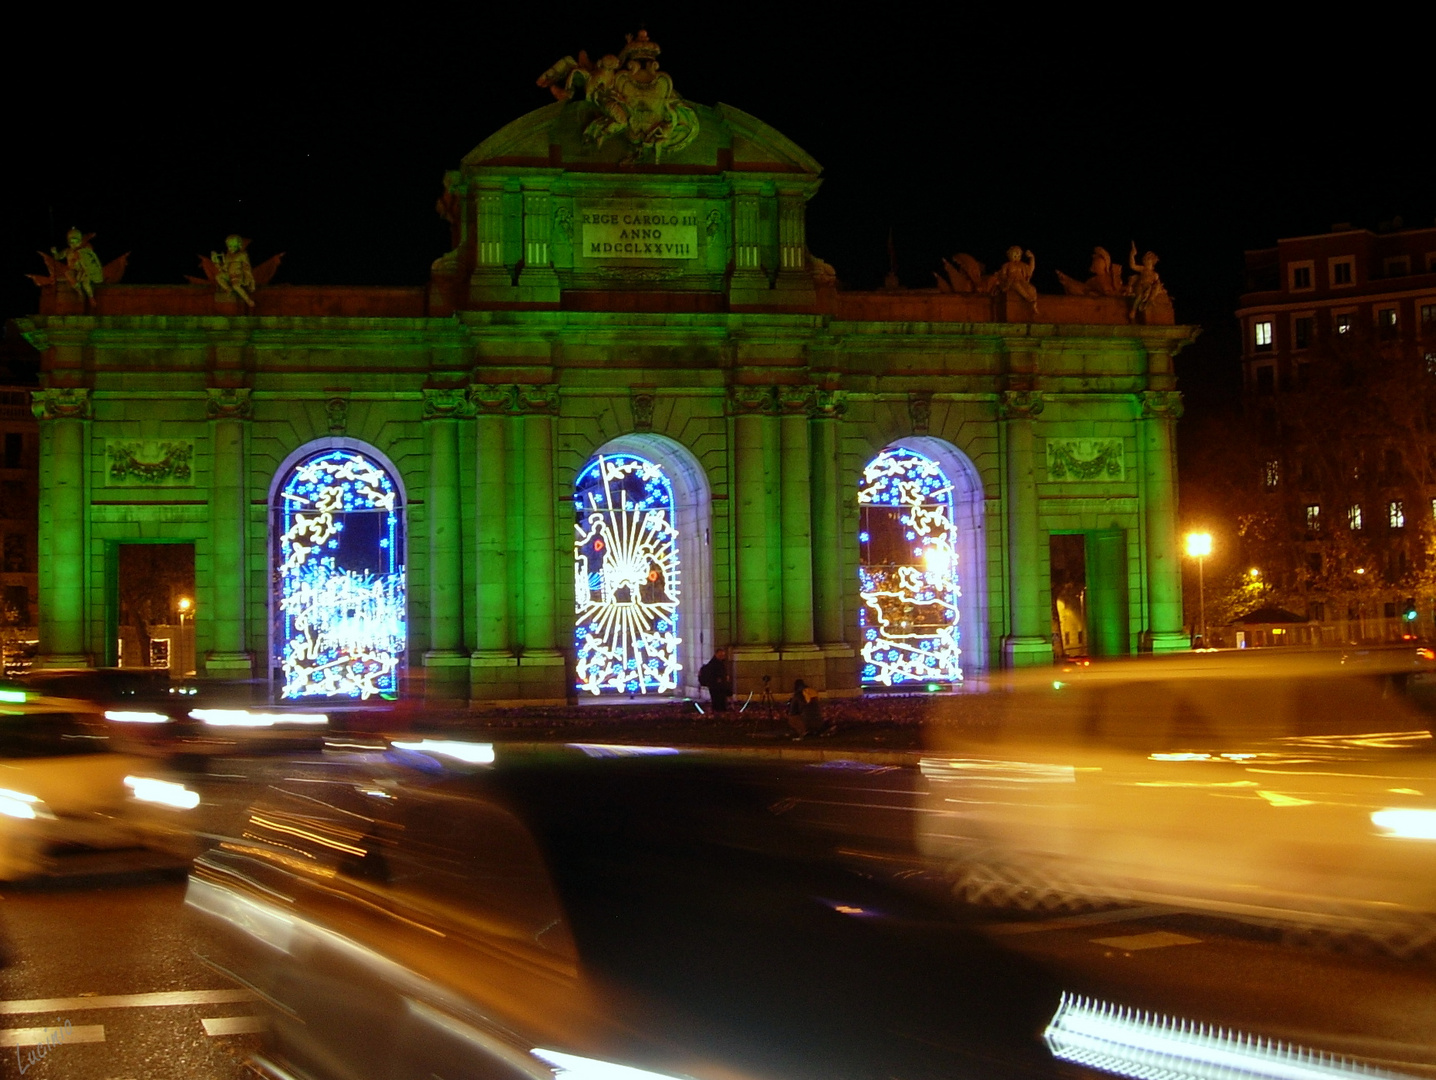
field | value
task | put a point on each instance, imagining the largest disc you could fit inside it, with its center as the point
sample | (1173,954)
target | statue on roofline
(79,266)
(231,272)
(1105,280)
(1145,286)
(1015,275)
(633,99)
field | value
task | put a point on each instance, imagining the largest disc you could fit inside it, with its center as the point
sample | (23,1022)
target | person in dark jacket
(714,675)
(805,715)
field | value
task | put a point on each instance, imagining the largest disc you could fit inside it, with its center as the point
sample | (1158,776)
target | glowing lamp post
(1199,546)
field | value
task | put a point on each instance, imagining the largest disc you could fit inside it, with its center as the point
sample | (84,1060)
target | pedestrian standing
(714,675)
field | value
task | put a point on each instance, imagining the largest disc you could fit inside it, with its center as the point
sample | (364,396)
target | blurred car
(440,908)
(70,805)
(1295,791)
(184,721)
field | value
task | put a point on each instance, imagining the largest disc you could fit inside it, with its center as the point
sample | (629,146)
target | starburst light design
(626,578)
(907,572)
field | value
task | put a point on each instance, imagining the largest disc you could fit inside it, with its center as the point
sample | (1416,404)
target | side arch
(969,541)
(338,559)
(692,520)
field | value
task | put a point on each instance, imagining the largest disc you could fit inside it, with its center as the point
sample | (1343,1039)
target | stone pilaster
(64,416)
(443,412)
(1029,642)
(797,518)
(542,664)
(1160,411)
(493,668)
(756,532)
(229,411)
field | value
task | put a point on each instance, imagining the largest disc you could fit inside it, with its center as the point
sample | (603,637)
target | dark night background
(963,131)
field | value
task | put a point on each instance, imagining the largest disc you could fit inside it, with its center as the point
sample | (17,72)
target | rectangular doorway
(1089,593)
(153,607)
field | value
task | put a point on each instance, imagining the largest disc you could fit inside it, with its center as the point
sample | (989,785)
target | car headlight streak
(573,1067)
(472,753)
(148,789)
(1148,1046)
(17,804)
(245,718)
(120,716)
(1406,824)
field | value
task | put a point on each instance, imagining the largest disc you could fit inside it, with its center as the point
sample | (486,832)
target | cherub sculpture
(232,274)
(1015,275)
(633,98)
(1105,280)
(79,266)
(1144,287)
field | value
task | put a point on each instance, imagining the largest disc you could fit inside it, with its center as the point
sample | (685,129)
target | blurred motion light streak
(1407,824)
(606,750)
(472,753)
(245,718)
(907,571)
(1149,1046)
(1011,772)
(147,789)
(17,804)
(121,717)
(573,1067)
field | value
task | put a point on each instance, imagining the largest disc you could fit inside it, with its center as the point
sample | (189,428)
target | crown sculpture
(631,98)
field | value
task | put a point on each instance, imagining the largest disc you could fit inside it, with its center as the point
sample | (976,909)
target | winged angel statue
(633,97)
(79,267)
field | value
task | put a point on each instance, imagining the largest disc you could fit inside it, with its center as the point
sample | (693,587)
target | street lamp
(1199,546)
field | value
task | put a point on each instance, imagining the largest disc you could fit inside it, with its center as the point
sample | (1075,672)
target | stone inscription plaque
(631,231)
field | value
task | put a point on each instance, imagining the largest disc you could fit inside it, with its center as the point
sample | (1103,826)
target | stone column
(1160,410)
(493,669)
(827,520)
(754,529)
(443,410)
(229,412)
(797,519)
(1029,642)
(541,662)
(64,416)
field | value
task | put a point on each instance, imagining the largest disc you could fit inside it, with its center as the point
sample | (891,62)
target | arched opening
(339,600)
(643,595)
(922,566)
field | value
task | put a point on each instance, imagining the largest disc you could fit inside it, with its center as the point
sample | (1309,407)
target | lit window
(1313,516)
(1386,321)
(1263,335)
(1353,517)
(1301,331)
(1433,508)
(907,572)
(1428,314)
(1341,272)
(1342,323)
(626,576)
(1301,277)
(1396,514)
(1431,363)
(1271,475)
(340,594)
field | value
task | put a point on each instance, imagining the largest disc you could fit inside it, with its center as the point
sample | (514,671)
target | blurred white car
(69,805)
(1295,792)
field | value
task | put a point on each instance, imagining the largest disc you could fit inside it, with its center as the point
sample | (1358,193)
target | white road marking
(52,1036)
(1094,918)
(125,1001)
(233,1025)
(1158,939)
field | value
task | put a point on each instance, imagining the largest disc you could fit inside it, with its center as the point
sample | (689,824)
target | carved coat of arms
(633,98)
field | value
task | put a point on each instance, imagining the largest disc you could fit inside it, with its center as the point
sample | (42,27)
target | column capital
(447,404)
(751,400)
(1162,404)
(795,400)
(537,398)
(829,404)
(492,398)
(228,403)
(61,403)
(1020,404)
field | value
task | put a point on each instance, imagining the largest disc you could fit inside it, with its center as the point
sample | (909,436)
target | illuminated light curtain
(907,572)
(626,578)
(340,605)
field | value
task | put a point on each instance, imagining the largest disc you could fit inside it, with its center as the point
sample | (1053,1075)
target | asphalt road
(118,961)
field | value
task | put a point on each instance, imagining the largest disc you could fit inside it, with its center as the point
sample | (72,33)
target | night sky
(967,132)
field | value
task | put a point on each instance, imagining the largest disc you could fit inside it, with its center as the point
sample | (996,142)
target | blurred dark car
(457,910)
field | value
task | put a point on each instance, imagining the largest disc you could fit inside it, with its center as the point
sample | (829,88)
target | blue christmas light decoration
(341,597)
(626,578)
(907,573)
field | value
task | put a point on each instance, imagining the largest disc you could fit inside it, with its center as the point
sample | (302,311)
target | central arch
(643,593)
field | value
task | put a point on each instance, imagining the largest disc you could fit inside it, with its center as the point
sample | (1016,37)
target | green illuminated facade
(669,311)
